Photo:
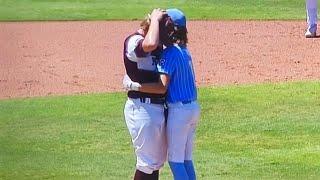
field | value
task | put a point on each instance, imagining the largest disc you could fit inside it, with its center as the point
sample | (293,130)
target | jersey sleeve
(166,64)
(134,49)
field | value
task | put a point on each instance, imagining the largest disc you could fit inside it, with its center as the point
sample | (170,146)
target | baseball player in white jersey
(312,18)
(144,112)
(177,78)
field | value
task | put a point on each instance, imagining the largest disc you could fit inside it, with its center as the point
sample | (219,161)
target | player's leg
(178,171)
(181,120)
(311,7)
(145,123)
(139,175)
(134,126)
(154,149)
(176,138)
(188,163)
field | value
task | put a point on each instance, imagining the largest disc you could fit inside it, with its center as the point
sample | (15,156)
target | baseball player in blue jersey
(144,112)
(312,17)
(178,80)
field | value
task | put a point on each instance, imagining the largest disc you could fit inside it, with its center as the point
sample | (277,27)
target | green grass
(269,131)
(21,10)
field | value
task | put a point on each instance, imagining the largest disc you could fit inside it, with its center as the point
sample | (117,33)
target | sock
(178,170)
(188,164)
(155,175)
(139,175)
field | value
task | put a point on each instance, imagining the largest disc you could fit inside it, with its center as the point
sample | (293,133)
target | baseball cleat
(310,34)
(311,31)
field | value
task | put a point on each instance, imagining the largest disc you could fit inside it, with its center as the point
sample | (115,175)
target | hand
(157,14)
(129,85)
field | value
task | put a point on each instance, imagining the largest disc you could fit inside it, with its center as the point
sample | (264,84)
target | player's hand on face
(129,85)
(157,14)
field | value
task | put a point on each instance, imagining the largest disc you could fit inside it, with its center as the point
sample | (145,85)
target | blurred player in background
(312,18)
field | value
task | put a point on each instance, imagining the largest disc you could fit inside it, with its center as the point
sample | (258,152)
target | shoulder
(134,39)
(185,50)
(170,51)
(133,47)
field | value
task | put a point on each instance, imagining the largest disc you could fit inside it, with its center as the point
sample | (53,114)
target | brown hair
(180,35)
(145,24)
(166,30)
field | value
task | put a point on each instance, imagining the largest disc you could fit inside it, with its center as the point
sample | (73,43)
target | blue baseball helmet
(177,16)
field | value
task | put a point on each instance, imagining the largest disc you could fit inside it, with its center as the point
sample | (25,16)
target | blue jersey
(176,62)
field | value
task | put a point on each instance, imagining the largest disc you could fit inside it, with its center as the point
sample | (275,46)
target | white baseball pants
(312,11)
(181,126)
(146,125)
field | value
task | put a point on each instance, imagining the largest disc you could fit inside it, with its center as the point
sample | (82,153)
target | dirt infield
(55,58)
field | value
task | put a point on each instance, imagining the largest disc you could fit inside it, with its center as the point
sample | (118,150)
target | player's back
(182,85)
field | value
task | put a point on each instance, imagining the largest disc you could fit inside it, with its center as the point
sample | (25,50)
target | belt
(186,102)
(181,103)
(152,100)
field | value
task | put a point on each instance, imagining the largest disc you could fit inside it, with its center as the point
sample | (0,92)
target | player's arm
(157,88)
(165,67)
(151,39)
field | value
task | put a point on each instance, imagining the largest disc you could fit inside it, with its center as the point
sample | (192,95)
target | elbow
(163,90)
(148,47)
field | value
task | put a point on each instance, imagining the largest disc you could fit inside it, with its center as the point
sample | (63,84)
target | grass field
(21,10)
(268,131)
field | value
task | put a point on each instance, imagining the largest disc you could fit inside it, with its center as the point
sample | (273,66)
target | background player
(312,17)
(179,81)
(144,112)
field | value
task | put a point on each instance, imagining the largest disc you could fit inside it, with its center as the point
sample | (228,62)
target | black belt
(152,100)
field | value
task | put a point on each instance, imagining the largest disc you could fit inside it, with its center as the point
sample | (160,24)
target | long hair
(166,30)
(180,35)
(170,34)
